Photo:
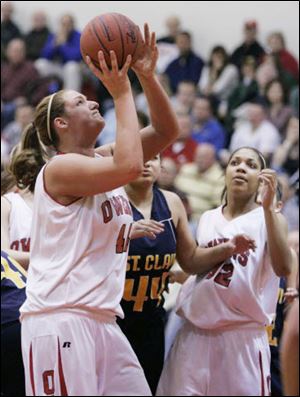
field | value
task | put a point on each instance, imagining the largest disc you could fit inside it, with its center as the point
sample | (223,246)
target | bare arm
(164,129)
(291,281)
(21,257)
(290,352)
(194,259)
(278,248)
(76,175)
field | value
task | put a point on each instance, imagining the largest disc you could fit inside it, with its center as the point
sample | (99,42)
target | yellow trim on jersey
(13,275)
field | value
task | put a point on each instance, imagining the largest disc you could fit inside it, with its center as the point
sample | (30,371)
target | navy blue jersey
(149,262)
(275,332)
(13,282)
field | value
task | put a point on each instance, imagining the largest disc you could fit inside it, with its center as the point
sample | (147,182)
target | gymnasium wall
(211,22)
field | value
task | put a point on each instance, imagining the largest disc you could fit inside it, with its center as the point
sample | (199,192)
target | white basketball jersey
(19,222)
(242,290)
(78,253)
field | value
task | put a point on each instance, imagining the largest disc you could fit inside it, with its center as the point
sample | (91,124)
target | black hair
(262,161)
(279,191)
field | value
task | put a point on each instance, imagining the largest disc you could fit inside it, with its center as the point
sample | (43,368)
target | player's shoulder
(5,202)
(172,198)
(175,205)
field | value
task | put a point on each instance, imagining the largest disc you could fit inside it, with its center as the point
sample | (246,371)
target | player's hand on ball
(115,80)
(145,65)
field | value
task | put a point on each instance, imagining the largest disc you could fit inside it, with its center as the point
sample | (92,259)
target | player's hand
(145,65)
(240,244)
(268,190)
(177,276)
(146,228)
(290,295)
(115,80)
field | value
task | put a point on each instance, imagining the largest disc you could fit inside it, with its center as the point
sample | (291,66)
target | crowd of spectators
(249,97)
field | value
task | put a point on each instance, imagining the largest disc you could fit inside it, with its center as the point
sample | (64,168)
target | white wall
(211,22)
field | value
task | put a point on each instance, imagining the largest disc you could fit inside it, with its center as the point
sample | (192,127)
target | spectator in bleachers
(187,66)
(271,68)
(246,91)
(36,38)
(256,132)
(286,156)
(288,62)
(250,46)
(173,26)
(278,112)
(290,200)
(219,77)
(206,128)
(61,54)
(202,180)
(167,48)
(183,100)
(294,100)
(108,134)
(4,153)
(19,77)
(166,181)
(9,29)
(266,72)
(12,132)
(141,100)
(183,150)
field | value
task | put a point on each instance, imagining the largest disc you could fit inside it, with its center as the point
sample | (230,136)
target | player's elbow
(187,265)
(133,170)
(283,270)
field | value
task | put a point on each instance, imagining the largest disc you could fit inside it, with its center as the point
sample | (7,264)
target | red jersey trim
(63,387)
(31,370)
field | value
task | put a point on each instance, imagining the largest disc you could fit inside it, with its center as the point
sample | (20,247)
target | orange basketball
(108,32)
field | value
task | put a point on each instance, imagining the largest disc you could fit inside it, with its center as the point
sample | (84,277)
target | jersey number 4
(123,241)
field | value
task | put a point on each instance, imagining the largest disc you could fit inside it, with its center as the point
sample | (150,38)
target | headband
(48,117)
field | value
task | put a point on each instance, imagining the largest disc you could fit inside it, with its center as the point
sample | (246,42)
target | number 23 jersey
(240,291)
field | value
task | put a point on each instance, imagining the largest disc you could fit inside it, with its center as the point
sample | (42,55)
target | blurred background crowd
(246,97)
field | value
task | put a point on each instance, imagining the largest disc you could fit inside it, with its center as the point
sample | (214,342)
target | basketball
(108,32)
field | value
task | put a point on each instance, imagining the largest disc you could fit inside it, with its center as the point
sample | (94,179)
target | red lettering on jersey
(241,258)
(107,211)
(25,244)
(216,241)
(117,204)
(126,206)
(15,245)
(21,245)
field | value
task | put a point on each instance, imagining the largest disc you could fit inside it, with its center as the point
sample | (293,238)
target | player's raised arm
(164,129)
(80,174)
